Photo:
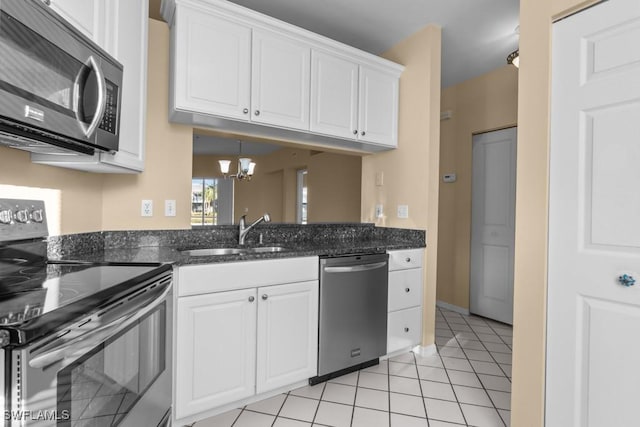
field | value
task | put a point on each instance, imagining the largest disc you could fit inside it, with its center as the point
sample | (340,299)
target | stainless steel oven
(116,372)
(82,343)
(59,91)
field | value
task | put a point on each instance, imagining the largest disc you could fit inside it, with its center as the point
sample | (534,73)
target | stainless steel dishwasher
(353,313)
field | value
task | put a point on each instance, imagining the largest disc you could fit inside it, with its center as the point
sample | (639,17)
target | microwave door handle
(100,103)
(71,349)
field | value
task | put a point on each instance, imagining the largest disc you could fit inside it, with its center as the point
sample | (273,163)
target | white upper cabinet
(214,65)
(121,28)
(353,101)
(280,81)
(334,95)
(303,88)
(378,110)
(85,15)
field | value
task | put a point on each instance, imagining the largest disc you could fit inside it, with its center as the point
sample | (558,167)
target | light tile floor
(467,383)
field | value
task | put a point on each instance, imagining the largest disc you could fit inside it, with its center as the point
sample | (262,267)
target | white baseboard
(452,307)
(425,350)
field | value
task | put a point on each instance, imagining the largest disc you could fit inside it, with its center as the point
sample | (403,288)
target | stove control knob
(36,215)
(22,216)
(5,338)
(6,217)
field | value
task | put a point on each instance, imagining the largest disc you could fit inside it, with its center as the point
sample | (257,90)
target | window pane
(210,196)
(197,201)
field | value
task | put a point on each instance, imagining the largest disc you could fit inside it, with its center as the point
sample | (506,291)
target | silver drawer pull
(406,329)
(251,299)
(264,297)
(407,290)
(408,259)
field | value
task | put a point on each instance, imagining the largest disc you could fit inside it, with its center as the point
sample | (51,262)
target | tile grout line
(353,409)
(389,392)
(424,404)
(315,414)
(280,410)
(237,418)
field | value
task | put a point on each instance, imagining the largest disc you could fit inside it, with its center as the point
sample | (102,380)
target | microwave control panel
(109,121)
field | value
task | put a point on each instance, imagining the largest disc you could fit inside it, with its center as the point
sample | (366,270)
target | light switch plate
(403,211)
(169,208)
(379,211)
(379,179)
(146,209)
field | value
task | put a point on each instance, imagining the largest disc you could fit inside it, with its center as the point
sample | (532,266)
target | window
(211,201)
(302,197)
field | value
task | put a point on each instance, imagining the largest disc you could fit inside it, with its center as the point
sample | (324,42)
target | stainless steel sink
(232,251)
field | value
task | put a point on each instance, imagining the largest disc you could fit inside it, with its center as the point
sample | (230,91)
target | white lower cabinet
(287,335)
(216,355)
(404,321)
(234,344)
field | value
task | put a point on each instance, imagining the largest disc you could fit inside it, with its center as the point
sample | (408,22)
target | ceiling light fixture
(246,167)
(514,58)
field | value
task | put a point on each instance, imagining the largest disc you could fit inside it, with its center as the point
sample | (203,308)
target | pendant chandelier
(245,167)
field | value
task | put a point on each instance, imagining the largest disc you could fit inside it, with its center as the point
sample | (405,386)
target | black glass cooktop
(37,296)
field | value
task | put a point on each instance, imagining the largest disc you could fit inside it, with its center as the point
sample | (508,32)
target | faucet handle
(266,217)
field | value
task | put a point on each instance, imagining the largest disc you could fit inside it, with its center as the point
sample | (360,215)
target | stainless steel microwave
(60,93)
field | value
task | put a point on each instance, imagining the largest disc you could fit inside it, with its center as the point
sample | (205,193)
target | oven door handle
(68,350)
(100,102)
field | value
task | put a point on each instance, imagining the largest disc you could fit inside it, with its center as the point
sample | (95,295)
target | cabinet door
(280,80)
(85,15)
(126,37)
(404,329)
(287,334)
(378,109)
(212,65)
(334,95)
(215,342)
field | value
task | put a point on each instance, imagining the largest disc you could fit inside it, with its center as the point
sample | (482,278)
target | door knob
(626,280)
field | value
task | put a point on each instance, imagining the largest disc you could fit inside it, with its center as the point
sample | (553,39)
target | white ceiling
(477,35)
(205,144)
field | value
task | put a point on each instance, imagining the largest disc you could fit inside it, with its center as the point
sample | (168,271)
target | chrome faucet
(244,229)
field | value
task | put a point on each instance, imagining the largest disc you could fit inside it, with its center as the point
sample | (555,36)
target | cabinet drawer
(406,258)
(404,329)
(226,276)
(405,289)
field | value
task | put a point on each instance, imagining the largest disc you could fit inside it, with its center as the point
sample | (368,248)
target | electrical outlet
(147,208)
(169,208)
(403,211)
(379,212)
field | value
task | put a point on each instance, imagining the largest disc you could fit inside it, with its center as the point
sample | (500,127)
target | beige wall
(485,103)
(94,202)
(80,192)
(536,16)
(333,185)
(167,173)
(411,172)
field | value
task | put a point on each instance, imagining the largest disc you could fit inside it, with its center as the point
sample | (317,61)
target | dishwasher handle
(355,268)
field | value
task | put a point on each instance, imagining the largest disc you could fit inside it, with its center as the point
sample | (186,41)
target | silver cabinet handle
(407,290)
(626,280)
(408,259)
(362,133)
(257,112)
(251,299)
(406,329)
(264,297)
(245,111)
(355,131)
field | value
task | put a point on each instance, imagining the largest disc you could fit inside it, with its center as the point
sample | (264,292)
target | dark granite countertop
(165,246)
